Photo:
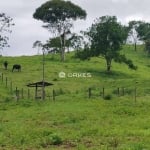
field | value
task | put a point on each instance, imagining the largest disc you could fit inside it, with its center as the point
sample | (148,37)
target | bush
(107,97)
(114,142)
(7,99)
(55,140)
(51,139)
(55,79)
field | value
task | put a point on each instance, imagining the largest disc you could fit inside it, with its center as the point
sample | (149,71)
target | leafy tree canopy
(107,37)
(143,30)
(59,16)
(147,46)
(141,27)
(58,10)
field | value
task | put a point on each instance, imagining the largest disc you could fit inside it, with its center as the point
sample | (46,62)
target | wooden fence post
(17,94)
(6,81)
(135,94)
(54,95)
(2,77)
(28,93)
(22,93)
(135,91)
(90,92)
(118,91)
(11,87)
(103,92)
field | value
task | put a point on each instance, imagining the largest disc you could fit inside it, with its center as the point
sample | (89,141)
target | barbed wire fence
(103,92)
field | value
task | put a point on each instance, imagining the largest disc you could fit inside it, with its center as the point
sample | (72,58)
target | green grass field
(73,121)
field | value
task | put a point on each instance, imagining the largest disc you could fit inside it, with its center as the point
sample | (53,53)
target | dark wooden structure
(37,85)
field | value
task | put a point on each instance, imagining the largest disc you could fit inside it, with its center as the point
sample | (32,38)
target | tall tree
(143,30)
(76,41)
(139,31)
(147,46)
(133,33)
(5,23)
(54,45)
(107,36)
(37,44)
(144,33)
(59,16)
(72,41)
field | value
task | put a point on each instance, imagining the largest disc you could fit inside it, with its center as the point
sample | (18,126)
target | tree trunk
(62,41)
(68,50)
(63,54)
(108,62)
(108,68)
(135,46)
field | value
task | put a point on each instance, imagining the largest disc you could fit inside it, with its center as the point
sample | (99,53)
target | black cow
(16,66)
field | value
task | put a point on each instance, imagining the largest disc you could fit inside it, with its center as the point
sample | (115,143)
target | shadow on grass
(106,75)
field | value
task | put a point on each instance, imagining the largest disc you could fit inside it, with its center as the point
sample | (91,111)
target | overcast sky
(27,30)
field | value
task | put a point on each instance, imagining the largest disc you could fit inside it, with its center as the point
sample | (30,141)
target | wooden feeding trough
(37,85)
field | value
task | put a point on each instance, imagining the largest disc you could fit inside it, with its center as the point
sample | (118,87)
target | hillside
(75,121)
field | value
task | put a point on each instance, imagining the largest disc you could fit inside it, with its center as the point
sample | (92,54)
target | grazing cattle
(17,67)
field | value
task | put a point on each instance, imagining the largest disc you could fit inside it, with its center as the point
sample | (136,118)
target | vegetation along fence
(26,93)
(103,92)
(118,92)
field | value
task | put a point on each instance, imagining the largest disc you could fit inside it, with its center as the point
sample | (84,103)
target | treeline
(105,37)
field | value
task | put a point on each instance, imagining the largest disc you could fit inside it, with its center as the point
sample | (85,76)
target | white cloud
(120,1)
(134,17)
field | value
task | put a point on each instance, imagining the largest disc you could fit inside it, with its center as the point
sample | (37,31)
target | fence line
(119,92)
(21,93)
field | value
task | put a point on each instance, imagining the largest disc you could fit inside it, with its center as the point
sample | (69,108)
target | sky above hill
(27,30)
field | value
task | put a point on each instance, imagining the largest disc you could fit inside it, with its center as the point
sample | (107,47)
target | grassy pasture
(73,121)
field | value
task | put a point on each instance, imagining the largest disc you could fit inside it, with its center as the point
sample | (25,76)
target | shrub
(114,142)
(55,140)
(55,79)
(51,139)
(46,133)
(7,99)
(107,97)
